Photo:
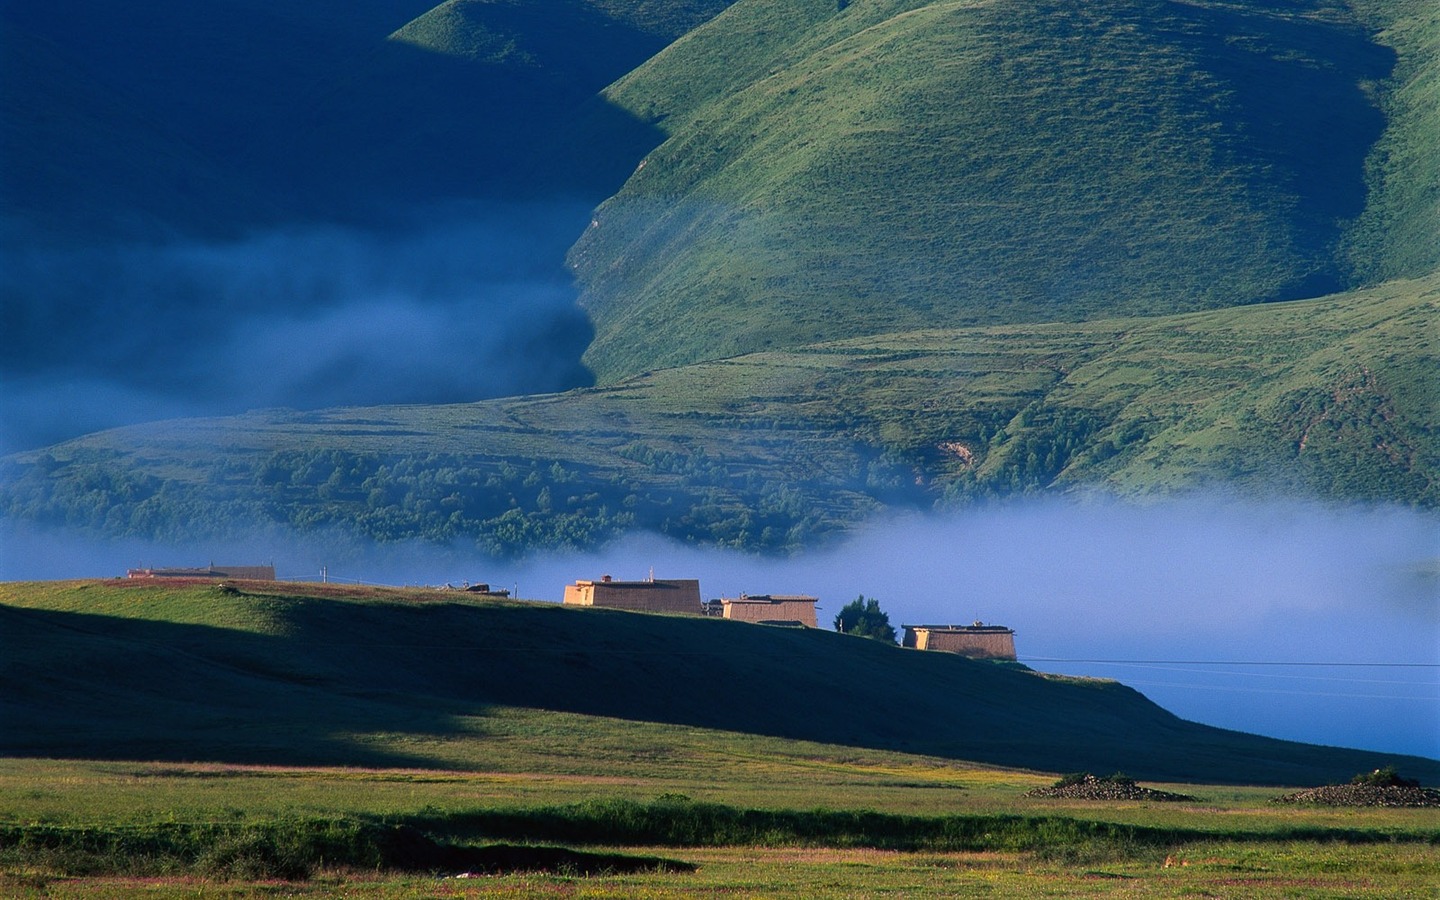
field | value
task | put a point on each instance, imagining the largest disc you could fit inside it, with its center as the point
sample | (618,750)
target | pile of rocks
(1365,795)
(1089,787)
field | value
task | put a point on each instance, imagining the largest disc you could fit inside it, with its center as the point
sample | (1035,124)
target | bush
(864,617)
(1386,777)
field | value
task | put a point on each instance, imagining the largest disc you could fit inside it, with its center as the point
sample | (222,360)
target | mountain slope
(1399,234)
(1332,398)
(885,165)
(293,673)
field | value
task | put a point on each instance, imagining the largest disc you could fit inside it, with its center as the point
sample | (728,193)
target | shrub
(1386,777)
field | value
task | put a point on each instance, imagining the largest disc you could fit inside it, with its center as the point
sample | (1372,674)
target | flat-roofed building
(771,609)
(978,641)
(675,595)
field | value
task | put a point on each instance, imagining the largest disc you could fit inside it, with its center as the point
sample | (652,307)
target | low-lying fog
(1302,621)
(468,302)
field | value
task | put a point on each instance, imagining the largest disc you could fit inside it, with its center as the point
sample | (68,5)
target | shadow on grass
(333,672)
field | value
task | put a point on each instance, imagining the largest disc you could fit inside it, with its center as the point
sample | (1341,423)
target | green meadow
(300,740)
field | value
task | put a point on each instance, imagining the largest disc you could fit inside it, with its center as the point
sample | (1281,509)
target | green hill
(290,673)
(1398,235)
(913,254)
(836,170)
(1332,398)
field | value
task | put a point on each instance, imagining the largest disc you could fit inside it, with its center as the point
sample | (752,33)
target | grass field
(1229,843)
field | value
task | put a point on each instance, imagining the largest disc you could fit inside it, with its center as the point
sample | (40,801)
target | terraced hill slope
(1331,398)
(291,673)
(834,170)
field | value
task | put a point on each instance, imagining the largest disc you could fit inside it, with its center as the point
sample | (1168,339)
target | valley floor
(1230,842)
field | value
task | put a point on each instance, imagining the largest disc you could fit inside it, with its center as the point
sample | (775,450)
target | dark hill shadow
(1291,94)
(157,690)
(310,113)
(87,686)
(182,182)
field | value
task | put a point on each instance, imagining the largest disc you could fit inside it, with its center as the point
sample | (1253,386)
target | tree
(863,616)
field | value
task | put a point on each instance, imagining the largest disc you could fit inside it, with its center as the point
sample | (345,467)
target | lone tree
(863,616)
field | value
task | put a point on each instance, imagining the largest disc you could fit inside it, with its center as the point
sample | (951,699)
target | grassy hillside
(288,673)
(835,170)
(1399,234)
(1332,398)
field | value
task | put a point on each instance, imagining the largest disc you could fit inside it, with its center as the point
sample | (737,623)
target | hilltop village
(682,595)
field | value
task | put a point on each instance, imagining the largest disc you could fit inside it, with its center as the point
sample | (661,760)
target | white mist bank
(1295,620)
(464,303)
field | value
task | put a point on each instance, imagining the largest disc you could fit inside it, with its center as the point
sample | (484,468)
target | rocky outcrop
(1364,795)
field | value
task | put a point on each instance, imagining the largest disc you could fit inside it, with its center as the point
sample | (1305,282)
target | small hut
(771,609)
(674,595)
(978,641)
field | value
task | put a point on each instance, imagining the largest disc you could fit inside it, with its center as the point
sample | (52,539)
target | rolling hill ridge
(297,674)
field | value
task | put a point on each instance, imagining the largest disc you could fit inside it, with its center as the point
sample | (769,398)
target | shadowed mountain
(1398,236)
(183,184)
(877,172)
(286,674)
(328,111)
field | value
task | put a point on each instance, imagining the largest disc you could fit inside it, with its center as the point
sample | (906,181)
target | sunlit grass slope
(1399,234)
(301,674)
(1332,398)
(837,170)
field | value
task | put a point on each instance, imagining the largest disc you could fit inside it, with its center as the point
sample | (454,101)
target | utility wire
(1241,690)
(1156,667)
(1229,662)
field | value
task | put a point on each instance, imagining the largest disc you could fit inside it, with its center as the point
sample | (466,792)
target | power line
(1229,662)
(1242,690)
(1345,680)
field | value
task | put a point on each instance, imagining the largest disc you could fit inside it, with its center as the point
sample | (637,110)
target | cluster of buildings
(682,595)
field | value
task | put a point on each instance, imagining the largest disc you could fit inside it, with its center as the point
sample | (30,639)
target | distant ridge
(1332,399)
